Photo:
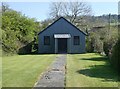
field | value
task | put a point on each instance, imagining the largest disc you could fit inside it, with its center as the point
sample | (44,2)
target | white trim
(62,36)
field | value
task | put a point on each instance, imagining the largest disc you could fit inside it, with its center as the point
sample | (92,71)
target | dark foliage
(18,32)
(115,58)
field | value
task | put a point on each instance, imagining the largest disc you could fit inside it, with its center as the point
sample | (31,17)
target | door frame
(64,43)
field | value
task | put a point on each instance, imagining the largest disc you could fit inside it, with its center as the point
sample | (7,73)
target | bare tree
(55,9)
(5,7)
(70,10)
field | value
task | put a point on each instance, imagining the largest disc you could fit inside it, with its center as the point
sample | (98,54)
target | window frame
(47,38)
(76,38)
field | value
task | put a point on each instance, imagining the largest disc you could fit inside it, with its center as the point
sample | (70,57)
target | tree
(70,10)
(5,7)
(94,43)
(18,31)
(115,57)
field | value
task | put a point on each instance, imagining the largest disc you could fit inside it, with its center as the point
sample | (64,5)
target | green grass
(90,70)
(0,71)
(83,70)
(24,70)
(0,68)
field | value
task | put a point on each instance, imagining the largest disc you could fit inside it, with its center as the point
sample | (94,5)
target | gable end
(65,20)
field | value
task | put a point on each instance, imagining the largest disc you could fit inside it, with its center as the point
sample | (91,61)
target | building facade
(61,37)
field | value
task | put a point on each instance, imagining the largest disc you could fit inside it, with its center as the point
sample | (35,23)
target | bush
(94,43)
(115,58)
(108,45)
(18,31)
(89,47)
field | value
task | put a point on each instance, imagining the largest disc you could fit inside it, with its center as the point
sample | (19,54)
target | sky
(119,8)
(40,10)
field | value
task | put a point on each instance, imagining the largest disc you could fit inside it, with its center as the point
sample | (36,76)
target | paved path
(55,76)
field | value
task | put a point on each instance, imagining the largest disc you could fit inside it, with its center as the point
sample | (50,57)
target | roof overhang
(62,36)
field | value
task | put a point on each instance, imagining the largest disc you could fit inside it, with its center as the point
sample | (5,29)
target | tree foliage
(94,43)
(101,40)
(115,56)
(17,30)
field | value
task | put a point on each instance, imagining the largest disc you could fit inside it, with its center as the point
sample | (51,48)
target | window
(76,40)
(46,40)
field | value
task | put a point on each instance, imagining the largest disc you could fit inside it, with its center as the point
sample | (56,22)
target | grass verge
(90,70)
(24,70)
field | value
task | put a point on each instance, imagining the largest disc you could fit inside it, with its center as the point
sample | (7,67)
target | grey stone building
(61,37)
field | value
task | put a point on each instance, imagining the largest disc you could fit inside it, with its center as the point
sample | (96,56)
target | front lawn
(0,71)
(90,70)
(0,68)
(24,70)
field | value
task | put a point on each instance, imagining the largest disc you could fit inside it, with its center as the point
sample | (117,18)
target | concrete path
(55,76)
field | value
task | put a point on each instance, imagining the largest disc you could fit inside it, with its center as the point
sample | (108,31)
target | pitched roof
(58,20)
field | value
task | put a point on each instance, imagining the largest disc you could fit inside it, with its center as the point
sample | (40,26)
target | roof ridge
(58,20)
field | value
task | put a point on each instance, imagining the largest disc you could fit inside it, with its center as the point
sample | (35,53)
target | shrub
(94,43)
(109,44)
(115,58)
(18,31)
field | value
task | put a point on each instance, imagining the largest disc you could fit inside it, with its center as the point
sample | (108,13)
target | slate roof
(65,20)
